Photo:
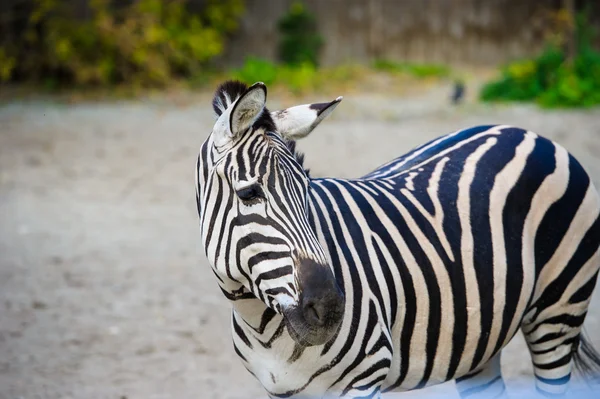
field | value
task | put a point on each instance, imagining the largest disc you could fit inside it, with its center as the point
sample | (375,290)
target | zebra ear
(248,108)
(297,122)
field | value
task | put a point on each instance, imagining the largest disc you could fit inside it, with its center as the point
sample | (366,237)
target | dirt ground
(104,290)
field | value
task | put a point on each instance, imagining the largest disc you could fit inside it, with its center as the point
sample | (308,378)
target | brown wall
(475,32)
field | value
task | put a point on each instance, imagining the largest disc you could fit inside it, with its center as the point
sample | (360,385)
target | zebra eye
(250,193)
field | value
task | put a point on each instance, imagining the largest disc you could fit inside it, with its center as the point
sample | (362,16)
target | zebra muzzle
(317,316)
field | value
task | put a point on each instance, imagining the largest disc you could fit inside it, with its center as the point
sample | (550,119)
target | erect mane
(291,146)
(228,92)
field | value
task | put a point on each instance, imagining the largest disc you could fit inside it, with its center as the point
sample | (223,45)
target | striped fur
(443,254)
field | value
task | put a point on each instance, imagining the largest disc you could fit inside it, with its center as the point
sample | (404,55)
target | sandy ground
(104,291)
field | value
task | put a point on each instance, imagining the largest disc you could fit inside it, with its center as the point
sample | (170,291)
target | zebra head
(252,196)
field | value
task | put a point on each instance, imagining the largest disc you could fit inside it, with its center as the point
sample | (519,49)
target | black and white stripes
(418,273)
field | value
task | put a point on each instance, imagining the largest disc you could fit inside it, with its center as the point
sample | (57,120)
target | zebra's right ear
(297,122)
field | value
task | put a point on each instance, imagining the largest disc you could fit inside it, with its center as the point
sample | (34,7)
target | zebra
(418,273)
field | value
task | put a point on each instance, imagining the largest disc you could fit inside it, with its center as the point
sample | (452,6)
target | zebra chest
(285,368)
(279,364)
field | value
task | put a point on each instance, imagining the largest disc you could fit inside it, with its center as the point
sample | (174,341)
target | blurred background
(104,288)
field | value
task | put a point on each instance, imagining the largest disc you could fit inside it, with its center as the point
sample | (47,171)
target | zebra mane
(226,94)
(291,146)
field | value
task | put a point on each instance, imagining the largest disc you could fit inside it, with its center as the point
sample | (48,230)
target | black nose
(321,300)
(315,312)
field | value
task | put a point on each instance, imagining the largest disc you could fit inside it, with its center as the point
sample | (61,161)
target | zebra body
(441,256)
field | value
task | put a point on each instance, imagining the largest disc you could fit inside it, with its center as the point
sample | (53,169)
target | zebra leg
(486,382)
(552,346)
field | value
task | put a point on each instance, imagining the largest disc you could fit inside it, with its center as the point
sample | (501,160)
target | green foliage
(300,42)
(300,78)
(257,70)
(295,78)
(305,77)
(413,69)
(144,43)
(550,79)
(7,65)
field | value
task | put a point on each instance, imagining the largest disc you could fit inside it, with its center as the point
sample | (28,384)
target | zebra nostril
(314,313)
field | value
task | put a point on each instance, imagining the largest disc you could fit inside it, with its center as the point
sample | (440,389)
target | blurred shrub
(300,42)
(7,65)
(413,69)
(551,79)
(298,79)
(141,43)
(257,70)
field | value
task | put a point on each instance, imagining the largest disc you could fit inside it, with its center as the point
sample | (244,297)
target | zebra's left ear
(248,108)
(297,122)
